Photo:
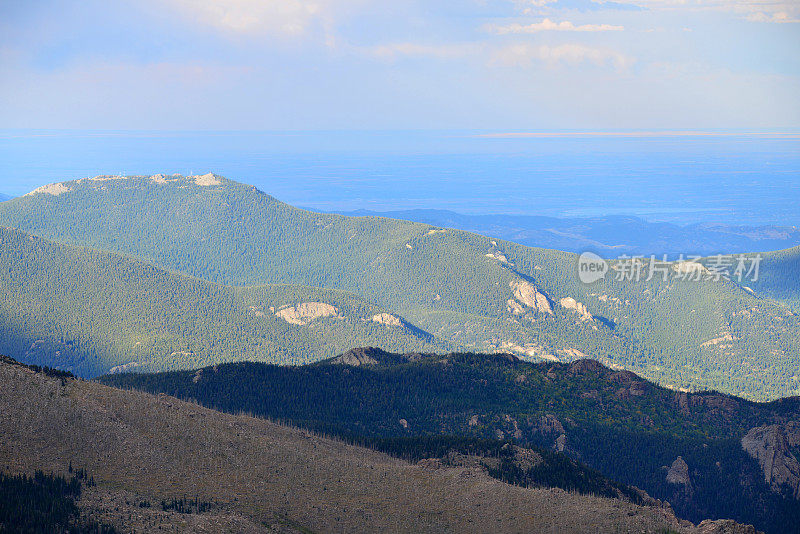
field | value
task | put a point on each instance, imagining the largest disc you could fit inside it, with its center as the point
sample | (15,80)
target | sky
(498,65)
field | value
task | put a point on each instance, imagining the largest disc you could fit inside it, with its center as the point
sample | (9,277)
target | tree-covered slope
(610,236)
(464,288)
(681,447)
(779,276)
(89,311)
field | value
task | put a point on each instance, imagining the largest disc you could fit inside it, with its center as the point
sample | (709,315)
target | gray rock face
(679,472)
(770,445)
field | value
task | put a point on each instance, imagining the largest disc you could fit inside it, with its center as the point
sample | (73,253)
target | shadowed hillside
(256,475)
(708,454)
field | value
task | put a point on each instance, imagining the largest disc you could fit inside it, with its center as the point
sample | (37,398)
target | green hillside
(88,311)
(467,289)
(627,428)
(779,277)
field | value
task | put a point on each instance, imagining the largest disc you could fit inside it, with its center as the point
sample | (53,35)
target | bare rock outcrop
(679,472)
(206,180)
(530,296)
(578,307)
(771,446)
(306,311)
(386,318)
(124,368)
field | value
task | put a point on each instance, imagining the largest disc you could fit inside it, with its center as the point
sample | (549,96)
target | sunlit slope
(472,290)
(90,311)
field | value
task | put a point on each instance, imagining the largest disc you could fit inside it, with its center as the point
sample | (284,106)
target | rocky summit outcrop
(771,446)
(715,404)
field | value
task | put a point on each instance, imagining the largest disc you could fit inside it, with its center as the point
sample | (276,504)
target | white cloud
(549,25)
(523,55)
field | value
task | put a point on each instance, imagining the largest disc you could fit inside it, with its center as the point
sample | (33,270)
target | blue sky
(404,64)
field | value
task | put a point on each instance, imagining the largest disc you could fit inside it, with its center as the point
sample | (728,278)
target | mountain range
(610,236)
(207,242)
(506,387)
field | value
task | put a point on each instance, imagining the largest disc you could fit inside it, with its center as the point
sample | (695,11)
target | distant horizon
(486,132)
(743,178)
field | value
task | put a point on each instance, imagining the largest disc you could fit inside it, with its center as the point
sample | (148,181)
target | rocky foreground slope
(708,454)
(259,476)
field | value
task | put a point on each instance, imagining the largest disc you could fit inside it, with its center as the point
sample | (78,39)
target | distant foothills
(609,236)
(153,273)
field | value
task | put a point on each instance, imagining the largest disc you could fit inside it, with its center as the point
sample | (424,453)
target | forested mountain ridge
(708,454)
(89,311)
(251,475)
(610,236)
(465,289)
(779,276)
